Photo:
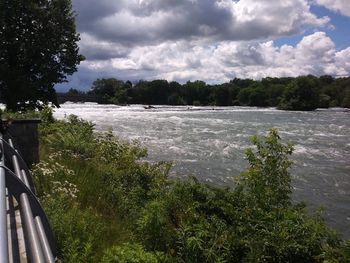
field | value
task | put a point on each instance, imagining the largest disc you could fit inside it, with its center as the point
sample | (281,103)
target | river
(209,142)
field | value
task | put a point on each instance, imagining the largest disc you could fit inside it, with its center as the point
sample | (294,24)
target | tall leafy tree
(106,89)
(38,48)
(301,94)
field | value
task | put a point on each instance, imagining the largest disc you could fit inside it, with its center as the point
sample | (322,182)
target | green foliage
(345,251)
(76,136)
(45,115)
(254,95)
(175,99)
(10,115)
(106,88)
(38,48)
(129,187)
(346,100)
(73,91)
(153,227)
(255,223)
(301,94)
(129,254)
(112,150)
(287,93)
(78,231)
(325,101)
(267,182)
(106,205)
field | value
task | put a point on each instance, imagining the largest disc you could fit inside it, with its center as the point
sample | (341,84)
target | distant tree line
(300,93)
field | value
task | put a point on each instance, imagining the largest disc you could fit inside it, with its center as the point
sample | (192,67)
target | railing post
(3,210)
(34,247)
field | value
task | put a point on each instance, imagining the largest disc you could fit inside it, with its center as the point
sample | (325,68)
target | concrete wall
(25,139)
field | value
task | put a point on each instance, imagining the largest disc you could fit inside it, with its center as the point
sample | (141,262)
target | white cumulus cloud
(211,40)
(181,61)
(341,6)
(136,22)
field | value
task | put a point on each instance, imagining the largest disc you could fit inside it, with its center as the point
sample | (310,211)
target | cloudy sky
(210,40)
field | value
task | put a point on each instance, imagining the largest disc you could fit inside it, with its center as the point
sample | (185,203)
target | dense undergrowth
(106,205)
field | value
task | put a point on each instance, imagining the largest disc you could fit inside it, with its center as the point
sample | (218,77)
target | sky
(210,40)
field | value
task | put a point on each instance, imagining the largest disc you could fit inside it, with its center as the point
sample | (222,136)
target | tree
(243,96)
(158,91)
(175,99)
(222,95)
(195,91)
(106,88)
(73,91)
(38,48)
(301,94)
(346,100)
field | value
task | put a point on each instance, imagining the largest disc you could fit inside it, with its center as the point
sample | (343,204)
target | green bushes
(128,254)
(76,136)
(78,231)
(267,182)
(106,205)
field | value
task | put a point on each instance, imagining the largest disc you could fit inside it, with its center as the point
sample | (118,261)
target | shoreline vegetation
(105,205)
(300,93)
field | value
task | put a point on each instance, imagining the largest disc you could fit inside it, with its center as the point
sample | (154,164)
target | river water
(209,143)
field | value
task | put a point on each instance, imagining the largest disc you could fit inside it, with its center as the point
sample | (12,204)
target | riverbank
(104,205)
(210,145)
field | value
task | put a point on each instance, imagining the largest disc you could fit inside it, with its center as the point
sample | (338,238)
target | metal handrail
(39,239)
(3,210)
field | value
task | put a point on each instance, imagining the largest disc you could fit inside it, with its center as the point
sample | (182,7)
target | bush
(78,231)
(267,182)
(256,222)
(129,254)
(75,135)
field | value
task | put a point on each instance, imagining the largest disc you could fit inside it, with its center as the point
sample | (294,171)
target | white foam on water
(177,150)
(288,132)
(328,135)
(175,119)
(299,149)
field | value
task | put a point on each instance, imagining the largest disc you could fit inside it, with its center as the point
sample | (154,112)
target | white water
(210,142)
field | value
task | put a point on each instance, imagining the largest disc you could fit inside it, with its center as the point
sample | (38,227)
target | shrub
(78,231)
(267,182)
(75,135)
(256,222)
(129,254)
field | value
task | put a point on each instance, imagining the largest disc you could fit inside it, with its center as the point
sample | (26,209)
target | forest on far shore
(287,93)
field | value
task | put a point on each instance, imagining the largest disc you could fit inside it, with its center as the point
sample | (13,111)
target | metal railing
(16,185)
